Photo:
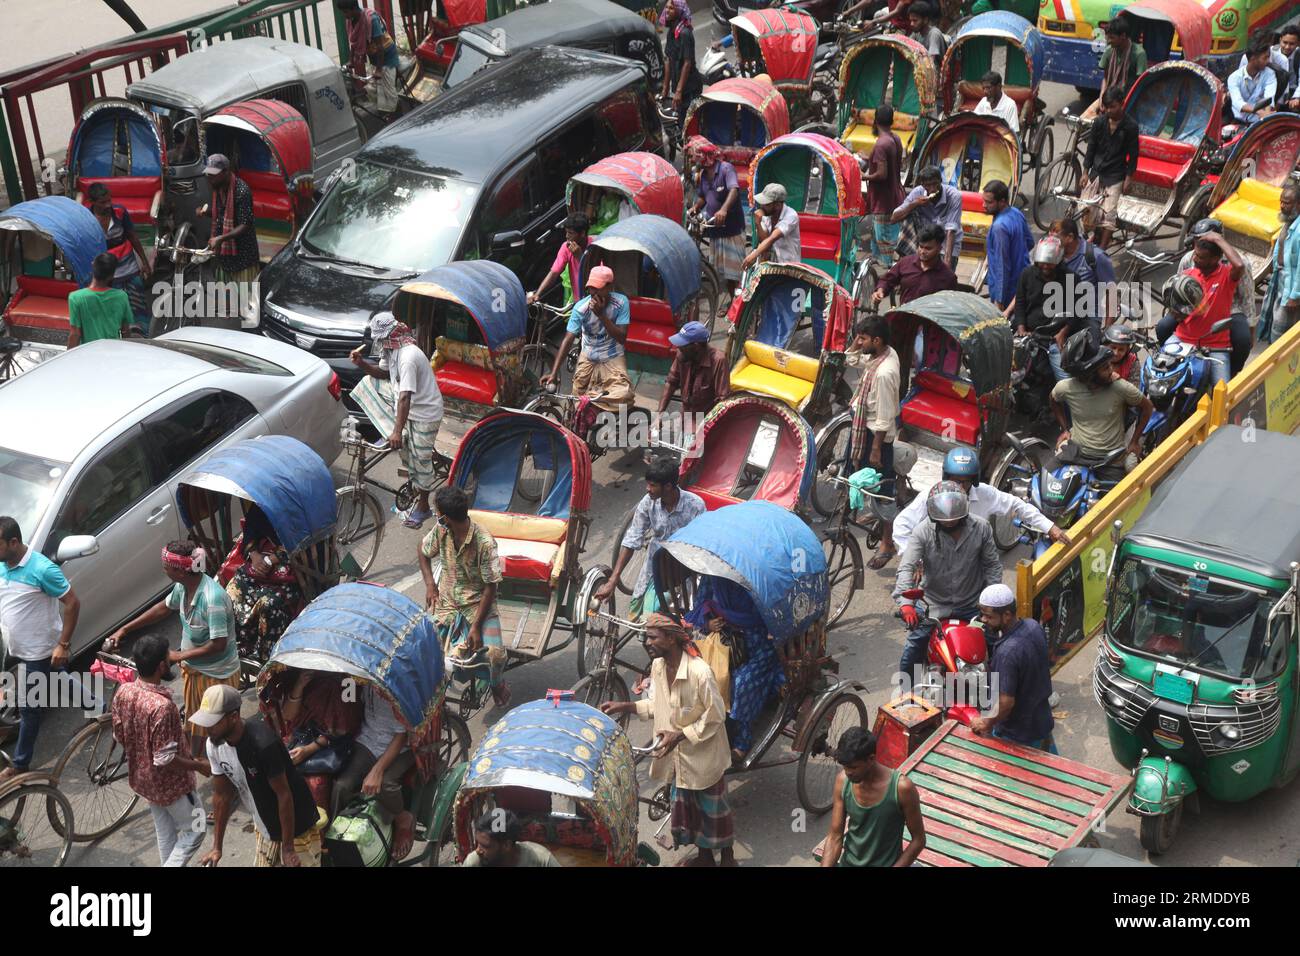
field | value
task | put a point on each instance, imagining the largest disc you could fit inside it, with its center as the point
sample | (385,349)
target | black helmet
(1118,334)
(1082,356)
(1182,294)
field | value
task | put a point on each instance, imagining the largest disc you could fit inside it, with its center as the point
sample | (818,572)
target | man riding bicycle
(960,559)
(601,318)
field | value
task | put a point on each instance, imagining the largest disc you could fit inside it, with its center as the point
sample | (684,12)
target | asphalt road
(771,828)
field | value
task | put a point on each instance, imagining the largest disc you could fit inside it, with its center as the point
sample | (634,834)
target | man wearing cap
(699,371)
(719,191)
(565,267)
(209,654)
(601,319)
(250,763)
(778,228)
(931,203)
(1020,673)
(690,725)
(418,413)
(234,236)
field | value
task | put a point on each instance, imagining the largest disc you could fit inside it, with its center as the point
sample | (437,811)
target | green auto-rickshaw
(1197,668)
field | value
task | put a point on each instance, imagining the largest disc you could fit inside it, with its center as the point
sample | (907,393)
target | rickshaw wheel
(536,362)
(593,639)
(454,740)
(600,686)
(360,526)
(1157,833)
(706,302)
(834,447)
(1043,149)
(845,569)
(1063,171)
(28,836)
(817,766)
(633,568)
(92,771)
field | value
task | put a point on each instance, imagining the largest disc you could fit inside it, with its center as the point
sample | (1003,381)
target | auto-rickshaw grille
(1258,722)
(1137,700)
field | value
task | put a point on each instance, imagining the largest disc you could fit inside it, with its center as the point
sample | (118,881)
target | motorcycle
(1032,378)
(956,667)
(1175,378)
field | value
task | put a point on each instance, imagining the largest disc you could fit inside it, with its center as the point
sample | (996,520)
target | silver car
(94,441)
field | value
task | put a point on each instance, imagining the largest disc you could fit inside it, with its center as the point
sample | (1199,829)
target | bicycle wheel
(1063,172)
(360,528)
(593,635)
(817,767)
(833,448)
(601,686)
(27,836)
(845,571)
(92,774)
(1044,150)
(706,302)
(632,570)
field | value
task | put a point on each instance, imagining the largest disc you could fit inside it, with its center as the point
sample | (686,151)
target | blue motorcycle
(1174,378)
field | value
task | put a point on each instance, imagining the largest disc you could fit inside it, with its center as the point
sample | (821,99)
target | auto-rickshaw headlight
(1229,731)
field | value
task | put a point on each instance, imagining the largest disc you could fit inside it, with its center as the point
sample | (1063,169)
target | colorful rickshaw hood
(649,182)
(91,147)
(760,96)
(66,223)
(281,127)
(282,476)
(1273,168)
(487,290)
(1153,110)
(765,549)
(918,96)
(480,449)
(664,242)
(839,308)
(788,41)
(1189,18)
(1002,25)
(841,160)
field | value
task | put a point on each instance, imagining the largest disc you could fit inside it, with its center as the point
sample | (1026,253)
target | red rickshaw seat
(652,323)
(943,406)
(972,202)
(133,193)
(819,236)
(270,197)
(1162,161)
(40,303)
(971,92)
(527,560)
(458,380)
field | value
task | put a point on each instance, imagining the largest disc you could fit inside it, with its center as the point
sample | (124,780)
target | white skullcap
(997,596)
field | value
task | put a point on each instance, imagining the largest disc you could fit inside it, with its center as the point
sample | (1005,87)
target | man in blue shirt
(931,203)
(1253,87)
(1008,243)
(601,319)
(1019,673)
(1094,278)
(1281,305)
(32,589)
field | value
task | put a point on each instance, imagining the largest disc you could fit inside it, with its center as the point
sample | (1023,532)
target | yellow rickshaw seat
(861,138)
(767,370)
(975,223)
(531,548)
(501,524)
(1252,210)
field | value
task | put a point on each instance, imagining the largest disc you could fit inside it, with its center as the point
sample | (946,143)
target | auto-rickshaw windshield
(1196,620)
(27,484)
(391,219)
(180,130)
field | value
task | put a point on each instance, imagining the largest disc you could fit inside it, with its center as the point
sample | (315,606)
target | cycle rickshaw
(119,143)
(567,771)
(823,184)
(971,151)
(626,184)
(373,634)
(765,568)
(781,44)
(1011,46)
(271,487)
(890,69)
(740,116)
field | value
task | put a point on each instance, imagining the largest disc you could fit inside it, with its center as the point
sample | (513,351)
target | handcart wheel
(845,571)
(817,767)
(92,775)
(28,838)
(601,686)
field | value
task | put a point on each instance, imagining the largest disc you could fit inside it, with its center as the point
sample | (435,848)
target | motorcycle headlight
(966,667)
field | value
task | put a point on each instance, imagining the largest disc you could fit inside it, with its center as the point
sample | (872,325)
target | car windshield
(390,219)
(467,61)
(221,357)
(1193,619)
(26,486)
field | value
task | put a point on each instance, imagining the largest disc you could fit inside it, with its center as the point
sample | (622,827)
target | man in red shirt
(1218,280)
(148,725)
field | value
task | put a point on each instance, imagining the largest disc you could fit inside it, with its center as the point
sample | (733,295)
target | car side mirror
(76,546)
(514,239)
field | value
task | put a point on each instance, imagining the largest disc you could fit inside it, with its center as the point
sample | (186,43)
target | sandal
(416,519)
(880,559)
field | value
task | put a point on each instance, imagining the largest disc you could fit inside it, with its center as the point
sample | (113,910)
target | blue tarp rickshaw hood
(489,291)
(68,224)
(768,551)
(279,474)
(375,634)
(1010,26)
(665,243)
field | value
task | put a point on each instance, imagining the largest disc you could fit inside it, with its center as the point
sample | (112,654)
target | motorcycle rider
(1041,296)
(1218,269)
(960,559)
(1121,341)
(1096,400)
(961,465)
(1241,333)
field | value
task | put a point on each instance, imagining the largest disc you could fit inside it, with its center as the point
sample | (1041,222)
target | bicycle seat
(9,345)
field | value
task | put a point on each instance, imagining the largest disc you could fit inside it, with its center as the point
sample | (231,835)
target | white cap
(997,596)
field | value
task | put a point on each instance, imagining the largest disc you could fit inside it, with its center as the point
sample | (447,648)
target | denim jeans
(1054,356)
(29,724)
(917,648)
(1220,370)
(179,829)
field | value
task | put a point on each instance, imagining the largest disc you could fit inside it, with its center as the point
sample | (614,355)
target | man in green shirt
(497,843)
(872,803)
(99,311)
(1122,62)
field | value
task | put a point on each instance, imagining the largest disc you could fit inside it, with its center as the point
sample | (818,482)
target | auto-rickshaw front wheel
(1158,832)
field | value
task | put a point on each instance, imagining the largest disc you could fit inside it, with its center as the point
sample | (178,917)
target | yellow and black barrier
(1065,589)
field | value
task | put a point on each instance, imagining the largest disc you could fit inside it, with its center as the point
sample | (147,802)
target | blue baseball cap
(689,334)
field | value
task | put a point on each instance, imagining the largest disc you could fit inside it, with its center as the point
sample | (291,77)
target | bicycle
(1062,175)
(359,519)
(10,365)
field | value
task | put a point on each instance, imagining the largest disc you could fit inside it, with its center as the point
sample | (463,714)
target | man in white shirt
(962,466)
(778,229)
(1253,86)
(380,757)
(875,414)
(419,403)
(996,103)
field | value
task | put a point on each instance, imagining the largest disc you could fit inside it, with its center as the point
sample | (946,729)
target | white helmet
(904,458)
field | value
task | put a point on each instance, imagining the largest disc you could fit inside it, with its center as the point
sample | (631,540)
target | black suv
(478,173)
